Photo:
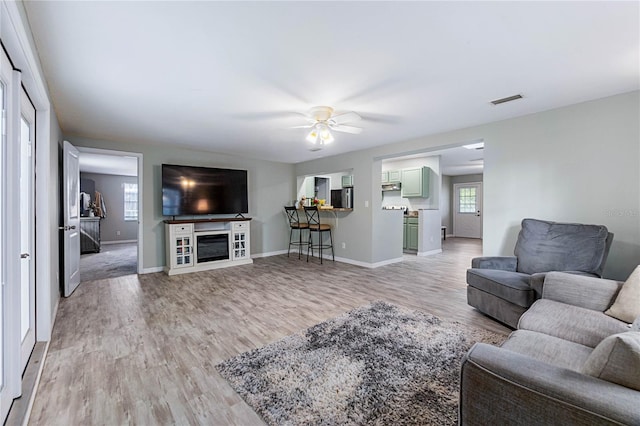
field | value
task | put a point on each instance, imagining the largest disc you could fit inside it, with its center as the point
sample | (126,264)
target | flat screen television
(188,190)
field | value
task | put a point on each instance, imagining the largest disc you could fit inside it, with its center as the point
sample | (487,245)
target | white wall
(271,186)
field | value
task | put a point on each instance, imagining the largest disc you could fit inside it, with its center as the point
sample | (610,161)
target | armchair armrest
(580,290)
(505,263)
(502,387)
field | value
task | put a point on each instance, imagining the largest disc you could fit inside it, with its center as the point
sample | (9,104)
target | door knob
(24,255)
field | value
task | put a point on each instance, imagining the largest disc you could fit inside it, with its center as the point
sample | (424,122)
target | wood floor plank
(143,349)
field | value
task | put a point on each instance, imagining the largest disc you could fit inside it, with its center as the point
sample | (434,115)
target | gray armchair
(504,287)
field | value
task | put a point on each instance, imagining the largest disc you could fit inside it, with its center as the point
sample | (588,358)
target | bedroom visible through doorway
(110,219)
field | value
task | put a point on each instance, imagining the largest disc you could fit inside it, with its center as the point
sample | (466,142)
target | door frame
(139,158)
(454,210)
(28,113)
(16,41)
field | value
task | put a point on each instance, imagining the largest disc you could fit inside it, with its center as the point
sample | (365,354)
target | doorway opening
(110,214)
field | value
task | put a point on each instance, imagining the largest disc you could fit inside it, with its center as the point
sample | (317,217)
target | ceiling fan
(322,120)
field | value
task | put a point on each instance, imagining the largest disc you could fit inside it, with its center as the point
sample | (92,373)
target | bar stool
(313,221)
(294,223)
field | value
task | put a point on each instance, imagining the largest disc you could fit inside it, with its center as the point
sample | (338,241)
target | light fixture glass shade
(325,134)
(312,136)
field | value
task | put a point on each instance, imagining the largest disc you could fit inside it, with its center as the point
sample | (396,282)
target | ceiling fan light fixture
(312,136)
(325,134)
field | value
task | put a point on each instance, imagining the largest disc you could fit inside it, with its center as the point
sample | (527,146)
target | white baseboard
(368,264)
(268,254)
(152,270)
(338,259)
(429,253)
(118,242)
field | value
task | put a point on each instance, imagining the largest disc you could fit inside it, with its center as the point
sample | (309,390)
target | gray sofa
(542,375)
(504,287)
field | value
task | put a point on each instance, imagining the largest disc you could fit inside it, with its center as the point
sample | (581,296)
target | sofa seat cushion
(568,322)
(617,359)
(548,349)
(510,286)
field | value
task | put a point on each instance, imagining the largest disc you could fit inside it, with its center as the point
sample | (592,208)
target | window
(467,200)
(130,201)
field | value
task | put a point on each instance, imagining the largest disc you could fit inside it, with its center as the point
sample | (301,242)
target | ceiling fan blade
(306,126)
(345,117)
(347,129)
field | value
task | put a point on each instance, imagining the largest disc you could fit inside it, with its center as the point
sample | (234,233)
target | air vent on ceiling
(507,99)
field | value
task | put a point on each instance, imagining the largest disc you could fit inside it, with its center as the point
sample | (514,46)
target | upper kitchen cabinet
(391,176)
(347,181)
(415,182)
(395,176)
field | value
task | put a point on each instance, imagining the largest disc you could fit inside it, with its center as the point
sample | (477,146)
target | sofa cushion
(616,359)
(544,246)
(573,323)
(627,304)
(548,349)
(510,286)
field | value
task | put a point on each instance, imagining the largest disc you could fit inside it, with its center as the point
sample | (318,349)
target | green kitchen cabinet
(415,182)
(395,176)
(384,177)
(410,233)
(347,181)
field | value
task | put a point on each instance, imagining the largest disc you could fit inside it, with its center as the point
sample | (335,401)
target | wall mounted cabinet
(391,176)
(415,182)
(347,181)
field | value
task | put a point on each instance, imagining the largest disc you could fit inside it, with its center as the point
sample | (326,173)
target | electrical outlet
(117,233)
(344,245)
(366,203)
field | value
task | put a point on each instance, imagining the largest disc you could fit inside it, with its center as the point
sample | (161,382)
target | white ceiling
(108,164)
(229,76)
(454,161)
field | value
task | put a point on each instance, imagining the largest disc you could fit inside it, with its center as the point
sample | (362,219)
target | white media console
(202,244)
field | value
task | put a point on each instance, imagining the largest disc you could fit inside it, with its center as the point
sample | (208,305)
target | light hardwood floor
(143,349)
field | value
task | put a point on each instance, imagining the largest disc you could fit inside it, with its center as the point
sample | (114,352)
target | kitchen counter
(332,209)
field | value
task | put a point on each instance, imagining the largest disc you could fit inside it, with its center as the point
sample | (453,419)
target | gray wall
(578,163)
(271,186)
(574,164)
(112,189)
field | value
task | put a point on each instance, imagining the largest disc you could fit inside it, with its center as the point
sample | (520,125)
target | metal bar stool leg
(333,255)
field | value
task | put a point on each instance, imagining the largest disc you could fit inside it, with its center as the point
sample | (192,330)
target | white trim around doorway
(82,149)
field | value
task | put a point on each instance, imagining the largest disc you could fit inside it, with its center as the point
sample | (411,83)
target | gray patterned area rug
(375,365)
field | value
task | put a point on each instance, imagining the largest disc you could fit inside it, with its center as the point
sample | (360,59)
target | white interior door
(467,213)
(71,227)
(27,224)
